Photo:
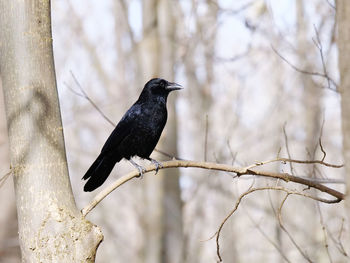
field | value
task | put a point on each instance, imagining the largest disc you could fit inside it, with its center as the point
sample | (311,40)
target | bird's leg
(156,163)
(138,167)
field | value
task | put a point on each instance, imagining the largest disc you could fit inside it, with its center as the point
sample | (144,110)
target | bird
(136,134)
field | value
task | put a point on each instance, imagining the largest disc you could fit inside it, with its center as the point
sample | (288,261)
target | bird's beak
(173,86)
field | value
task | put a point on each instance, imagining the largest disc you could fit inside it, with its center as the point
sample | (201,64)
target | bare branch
(218,167)
(338,242)
(78,29)
(4,178)
(287,147)
(320,142)
(85,96)
(324,180)
(235,11)
(235,57)
(330,4)
(265,235)
(325,232)
(233,155)
(206,138)
(251,190)
(312,73)
(284,160)
(320,49)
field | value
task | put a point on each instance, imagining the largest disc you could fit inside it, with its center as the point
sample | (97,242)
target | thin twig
(320,141)
(4,178)
(324,180)
(236,57)
(287,147)
(287,232)
(319,46)
(285,160)
(85,96)
(206,138)
(325,232)
(338,242)
(330,4)
(312,73)
(249,191)
(270,240)
(233,155)
(342,249)
(167,155)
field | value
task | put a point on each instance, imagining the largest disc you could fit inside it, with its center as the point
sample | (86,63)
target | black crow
(136,134)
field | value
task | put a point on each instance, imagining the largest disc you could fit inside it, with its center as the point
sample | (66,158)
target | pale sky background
(232,39)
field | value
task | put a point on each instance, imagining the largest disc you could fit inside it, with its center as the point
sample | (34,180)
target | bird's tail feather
(98,172)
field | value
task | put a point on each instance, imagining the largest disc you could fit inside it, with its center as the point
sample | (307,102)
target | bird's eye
(163,84)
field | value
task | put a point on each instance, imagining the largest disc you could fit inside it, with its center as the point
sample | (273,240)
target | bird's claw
(138,167)
(141,171)
(157,164)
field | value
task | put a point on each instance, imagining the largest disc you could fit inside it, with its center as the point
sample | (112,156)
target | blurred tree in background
(263,79)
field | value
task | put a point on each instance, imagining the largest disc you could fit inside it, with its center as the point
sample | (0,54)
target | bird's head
(159,87)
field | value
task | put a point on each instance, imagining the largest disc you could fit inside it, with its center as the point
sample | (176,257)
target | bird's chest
(146,132)
(153,121)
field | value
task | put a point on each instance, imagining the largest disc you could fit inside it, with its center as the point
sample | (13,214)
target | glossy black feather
(136,134)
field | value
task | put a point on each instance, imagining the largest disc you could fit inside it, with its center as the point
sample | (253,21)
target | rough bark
(51,228)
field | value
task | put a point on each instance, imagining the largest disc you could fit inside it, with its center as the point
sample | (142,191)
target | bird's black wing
(110,155)
(122,129)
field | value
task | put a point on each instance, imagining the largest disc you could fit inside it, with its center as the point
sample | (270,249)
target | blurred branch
(285,160)
(233,154)
(78,29)
(319,46)
(235,57)
(221,167)
(338,242)
(251,190)
(266,236)
(234,11)
(325,232)
(320,141)
(129,31)
(330,4)
(312,73)
(279,213)
(206,138)
(84,95)
(287,148)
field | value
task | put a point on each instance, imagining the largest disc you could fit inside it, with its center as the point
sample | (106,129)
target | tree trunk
(153,185)
(311,104)
(311,97)
(51,228)
(343,42)
(172,243)
(164,209)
